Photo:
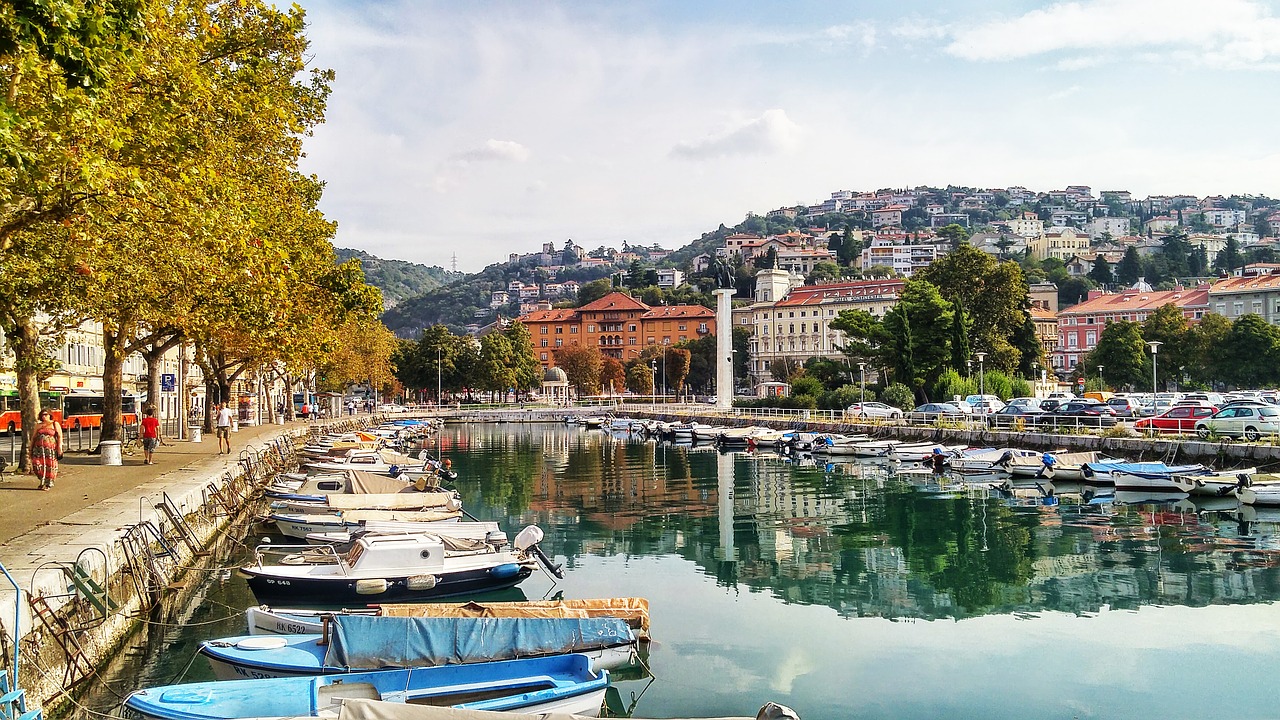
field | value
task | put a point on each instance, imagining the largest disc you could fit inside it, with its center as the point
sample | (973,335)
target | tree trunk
(24,338)
(113,342)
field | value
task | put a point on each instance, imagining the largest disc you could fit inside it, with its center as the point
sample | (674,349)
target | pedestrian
(46,449)
(224,427)
(150,435)
(305,411)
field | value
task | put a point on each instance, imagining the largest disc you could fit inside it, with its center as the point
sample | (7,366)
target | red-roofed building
(620,325)
(1080,326)
(1257,294)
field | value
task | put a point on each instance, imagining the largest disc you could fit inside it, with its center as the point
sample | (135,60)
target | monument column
(724,348)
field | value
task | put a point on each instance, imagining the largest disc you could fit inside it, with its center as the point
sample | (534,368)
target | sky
(479,129)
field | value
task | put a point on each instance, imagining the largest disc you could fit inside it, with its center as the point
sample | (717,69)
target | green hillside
(397,279)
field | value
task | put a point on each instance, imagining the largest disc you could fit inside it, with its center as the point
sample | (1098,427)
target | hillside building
(620,325)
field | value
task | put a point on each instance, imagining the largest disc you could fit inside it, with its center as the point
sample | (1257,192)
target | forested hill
(397,279)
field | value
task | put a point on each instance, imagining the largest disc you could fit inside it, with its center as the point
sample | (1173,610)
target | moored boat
(354,643)
(559,683)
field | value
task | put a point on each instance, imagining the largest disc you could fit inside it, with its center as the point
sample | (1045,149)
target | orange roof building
(620,325)
(1080,326)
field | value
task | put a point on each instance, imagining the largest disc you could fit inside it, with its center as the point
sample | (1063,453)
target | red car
(1180,419)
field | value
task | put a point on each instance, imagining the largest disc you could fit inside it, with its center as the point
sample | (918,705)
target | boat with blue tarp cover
(559,683)
(362,642)
(1139,476)
(355,709)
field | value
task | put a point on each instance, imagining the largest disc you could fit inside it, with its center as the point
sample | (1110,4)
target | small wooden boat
(1063,466)
(354,643)
(343,539)
(1262,489)
(985,460)
(919,452)
(1213,484)
(634,610)
(560,683)
(410,498)
(410,567)
(348,482)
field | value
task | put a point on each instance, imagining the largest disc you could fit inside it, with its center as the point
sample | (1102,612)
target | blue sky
(485,128)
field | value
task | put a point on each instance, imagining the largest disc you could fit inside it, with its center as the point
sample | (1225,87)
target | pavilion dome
(554,375)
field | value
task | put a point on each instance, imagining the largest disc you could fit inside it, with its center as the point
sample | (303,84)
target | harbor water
(845,590)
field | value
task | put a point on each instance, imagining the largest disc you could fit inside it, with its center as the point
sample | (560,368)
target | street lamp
(1155,348)
(653,383)
(862,372)
(982,379)
(1102,386)
(438,360)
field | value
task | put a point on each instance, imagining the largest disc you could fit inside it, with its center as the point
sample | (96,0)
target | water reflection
(854,537)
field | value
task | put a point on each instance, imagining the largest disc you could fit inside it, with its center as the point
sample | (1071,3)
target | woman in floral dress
(46,448)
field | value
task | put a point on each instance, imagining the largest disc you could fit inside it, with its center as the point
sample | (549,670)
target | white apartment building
(792,324)
(1100,226)
(903,258)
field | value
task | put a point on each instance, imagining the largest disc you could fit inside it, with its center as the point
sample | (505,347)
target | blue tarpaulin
(375,642)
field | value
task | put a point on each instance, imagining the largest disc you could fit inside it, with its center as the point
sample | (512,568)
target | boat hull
(268,588)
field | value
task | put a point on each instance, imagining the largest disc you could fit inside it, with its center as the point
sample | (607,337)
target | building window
(1071,340)
(1237,307)
(1090,338)
(559,329)
(633,327)
(680,327)
(544,356)
(634,341)
(544,342)
(573,329)
(543,330)
(559,342)
(591,328)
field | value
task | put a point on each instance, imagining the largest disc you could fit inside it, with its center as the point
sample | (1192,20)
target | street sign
(1080,382)
(168,382)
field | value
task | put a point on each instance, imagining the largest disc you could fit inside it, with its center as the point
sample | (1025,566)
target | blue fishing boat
(360,642)
(561,683)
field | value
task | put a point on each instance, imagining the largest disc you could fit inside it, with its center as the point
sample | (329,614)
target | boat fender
(371,587)
(505,570)
(421,582)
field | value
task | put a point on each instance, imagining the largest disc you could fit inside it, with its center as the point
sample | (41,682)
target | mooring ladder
(13,699)
(185,534)
(67,638)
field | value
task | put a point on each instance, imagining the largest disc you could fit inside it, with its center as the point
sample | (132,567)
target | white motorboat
(408,499)
(919,452)
(300,525)
(985,460)
(1213,484)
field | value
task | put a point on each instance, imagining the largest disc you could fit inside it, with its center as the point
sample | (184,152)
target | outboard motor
(527,541)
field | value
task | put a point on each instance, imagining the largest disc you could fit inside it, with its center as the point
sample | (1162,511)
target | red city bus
(11,410)
(84,410)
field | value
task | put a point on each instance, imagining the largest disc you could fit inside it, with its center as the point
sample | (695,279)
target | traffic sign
(168,382)
(1080,382)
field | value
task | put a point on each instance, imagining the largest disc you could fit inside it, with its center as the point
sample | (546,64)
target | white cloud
(1064,93)
(772,132)
(1225,33)
(492,150)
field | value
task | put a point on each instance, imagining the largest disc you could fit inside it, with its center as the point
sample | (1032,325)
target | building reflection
(857,539)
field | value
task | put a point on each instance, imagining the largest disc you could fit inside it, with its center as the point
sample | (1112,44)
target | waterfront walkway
(83,484)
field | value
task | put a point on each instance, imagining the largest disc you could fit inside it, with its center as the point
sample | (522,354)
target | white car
(873,410)
(1247,421)
(392,408)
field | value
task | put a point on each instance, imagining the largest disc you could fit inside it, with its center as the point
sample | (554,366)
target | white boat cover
(390,501)
(356,709)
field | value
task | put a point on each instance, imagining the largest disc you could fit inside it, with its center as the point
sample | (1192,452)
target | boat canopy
(357,709)
(366,642)
(363,482)
(389,501)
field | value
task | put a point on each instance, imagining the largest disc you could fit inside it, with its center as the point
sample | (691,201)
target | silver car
(1247,421)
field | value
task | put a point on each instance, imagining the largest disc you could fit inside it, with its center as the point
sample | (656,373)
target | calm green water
(845,592)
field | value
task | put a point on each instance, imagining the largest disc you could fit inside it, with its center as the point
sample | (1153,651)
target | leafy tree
(1101,272)
(640,379)
(1251,354)
(1177,253)
(1206,340)
(526,370)
(954,234)
(1121,350)
(850,248)
(959,336)
(899,396)
(1073,290)
(676,367)
(768,261)
(864,335)
(495,372)
(1198,262)
(1168,326)
(918,328)
(613,376)
(582,365)
(823,272)
(1030,350)
(805,385)
(1229,259)
(993,294)
(1130,267)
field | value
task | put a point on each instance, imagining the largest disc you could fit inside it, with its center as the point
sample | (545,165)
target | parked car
(1175,420)
(984,404)
(1050,404)
(1027,402)
(1011,415)
(1127,407)
(1195,402)
(1247,421)
(873,410)
(1212,398)
(936,411)
(1084,413)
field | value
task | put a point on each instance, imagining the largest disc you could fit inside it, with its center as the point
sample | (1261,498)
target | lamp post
(664,376)
(438,375)
(982,380)
(1102,386)
(862,373)
(1035,379)
(1155,348)
(653,383)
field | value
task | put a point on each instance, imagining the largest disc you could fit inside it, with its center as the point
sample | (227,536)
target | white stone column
(726,551)
(724,348)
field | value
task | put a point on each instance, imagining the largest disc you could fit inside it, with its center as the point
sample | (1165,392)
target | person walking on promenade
(46,449)
(224,427)
(150,435)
